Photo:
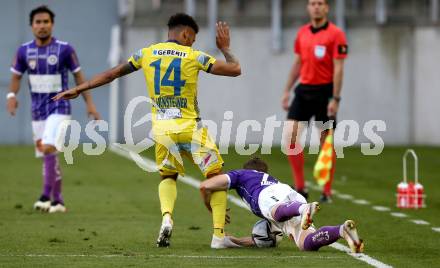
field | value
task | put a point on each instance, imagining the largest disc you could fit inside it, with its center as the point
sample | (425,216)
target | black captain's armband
(209,68)
(132,66)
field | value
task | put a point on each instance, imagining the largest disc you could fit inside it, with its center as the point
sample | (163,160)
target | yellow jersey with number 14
(171,72)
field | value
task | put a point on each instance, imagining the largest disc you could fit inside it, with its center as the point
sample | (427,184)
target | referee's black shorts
(311,101)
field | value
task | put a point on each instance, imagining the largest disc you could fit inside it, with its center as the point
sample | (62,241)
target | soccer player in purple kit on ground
(282,206)
(47,61)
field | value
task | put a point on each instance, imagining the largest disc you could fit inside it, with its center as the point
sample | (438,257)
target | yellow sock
(218,205)
(167,195)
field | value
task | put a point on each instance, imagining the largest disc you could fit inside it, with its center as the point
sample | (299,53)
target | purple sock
(287,210)
(49,162)
(56,193)
(322,237)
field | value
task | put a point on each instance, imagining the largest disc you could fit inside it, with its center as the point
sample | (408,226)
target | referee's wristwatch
(337,98)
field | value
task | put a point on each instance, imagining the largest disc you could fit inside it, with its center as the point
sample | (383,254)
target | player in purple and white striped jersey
(47,62)
(283,208)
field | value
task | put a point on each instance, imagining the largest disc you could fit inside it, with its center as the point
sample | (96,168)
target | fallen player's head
(256,163)
(183,28)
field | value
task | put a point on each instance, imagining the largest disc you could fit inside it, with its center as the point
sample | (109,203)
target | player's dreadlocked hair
(41,9)
(256,163)
(182,19)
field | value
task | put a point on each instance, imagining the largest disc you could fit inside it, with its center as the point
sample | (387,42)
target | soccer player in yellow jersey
(171,71)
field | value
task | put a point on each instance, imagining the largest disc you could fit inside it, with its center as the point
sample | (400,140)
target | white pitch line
(361,202)
(344,196)
(66,255)
(436,229)
(315,187)
(151,165)
(380,208)
(360,256)
(398,214)
(366,202)
(420,222)
(191,181)
(140,254)
(244,257)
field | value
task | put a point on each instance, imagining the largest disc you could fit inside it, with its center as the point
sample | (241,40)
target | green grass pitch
(113,215)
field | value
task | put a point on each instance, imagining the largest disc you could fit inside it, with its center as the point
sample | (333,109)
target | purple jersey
(47,68)
(248,184)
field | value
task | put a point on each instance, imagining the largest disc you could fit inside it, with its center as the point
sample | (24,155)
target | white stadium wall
(427,86)
(391,75)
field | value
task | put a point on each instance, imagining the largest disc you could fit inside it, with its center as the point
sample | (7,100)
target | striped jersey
(47,68)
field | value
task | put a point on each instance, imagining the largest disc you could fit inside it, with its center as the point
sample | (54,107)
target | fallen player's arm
(216,183)
(206,196)
(243,241)
(97,81)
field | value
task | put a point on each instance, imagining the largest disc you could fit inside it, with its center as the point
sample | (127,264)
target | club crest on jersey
(52,59)
(32,63)
(320,51)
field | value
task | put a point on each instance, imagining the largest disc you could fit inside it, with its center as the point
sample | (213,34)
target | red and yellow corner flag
(324,164)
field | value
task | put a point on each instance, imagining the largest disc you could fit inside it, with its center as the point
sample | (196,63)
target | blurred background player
(278,203)
(171,70)
(320,49)
(47,61)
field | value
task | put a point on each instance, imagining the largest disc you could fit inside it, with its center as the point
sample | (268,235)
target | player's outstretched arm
(97,81)
(230,67)
(14,87)
(243,241)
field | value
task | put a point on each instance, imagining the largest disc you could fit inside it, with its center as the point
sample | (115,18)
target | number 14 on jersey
(173,67)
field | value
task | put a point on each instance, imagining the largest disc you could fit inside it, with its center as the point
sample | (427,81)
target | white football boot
(42,204)
(165,232)
(225,242)
(307,215)
(349,233)
(57,207)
